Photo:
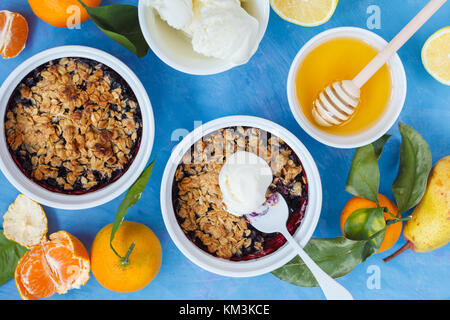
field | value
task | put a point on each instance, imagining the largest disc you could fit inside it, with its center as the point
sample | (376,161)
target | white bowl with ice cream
(205,36)
(263,264)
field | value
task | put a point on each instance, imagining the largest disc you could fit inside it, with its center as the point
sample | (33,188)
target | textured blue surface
(259,89)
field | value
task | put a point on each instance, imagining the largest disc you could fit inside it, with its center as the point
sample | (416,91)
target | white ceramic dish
(395,104)
(175,48)
(107,193)
(256,266)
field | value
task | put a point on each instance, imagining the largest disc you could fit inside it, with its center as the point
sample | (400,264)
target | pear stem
(406,246)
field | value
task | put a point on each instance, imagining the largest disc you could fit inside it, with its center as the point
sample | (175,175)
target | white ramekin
(107,193)
(395,104)
(252,267)
(175,48)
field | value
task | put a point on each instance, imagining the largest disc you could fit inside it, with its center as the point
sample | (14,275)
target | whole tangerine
(393,231)
(62,13)
(144,261)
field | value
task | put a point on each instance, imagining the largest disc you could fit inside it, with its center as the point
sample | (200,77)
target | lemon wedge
(25,222)
(436,55)
(307,13)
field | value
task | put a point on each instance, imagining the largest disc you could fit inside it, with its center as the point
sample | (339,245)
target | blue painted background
(259,89)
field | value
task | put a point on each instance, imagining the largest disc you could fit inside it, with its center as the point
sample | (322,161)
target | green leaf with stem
(378,145)
(415,165)
(133,195)
(364,176)
(337,257)
(373,243)
(121,23)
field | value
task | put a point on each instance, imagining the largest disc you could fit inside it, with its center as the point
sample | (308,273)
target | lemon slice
(436,55)
(307,13)
(25,222)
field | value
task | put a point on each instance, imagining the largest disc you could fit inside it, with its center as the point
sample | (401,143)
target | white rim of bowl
(394,62)
(257,266)
(110,191)
(225,67)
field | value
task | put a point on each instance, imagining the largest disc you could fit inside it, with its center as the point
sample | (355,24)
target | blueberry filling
(73,125)
(197,201)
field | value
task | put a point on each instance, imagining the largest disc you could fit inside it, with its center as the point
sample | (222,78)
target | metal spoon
(273,219)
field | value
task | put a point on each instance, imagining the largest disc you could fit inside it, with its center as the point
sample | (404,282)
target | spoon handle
(330,287)
(399,40)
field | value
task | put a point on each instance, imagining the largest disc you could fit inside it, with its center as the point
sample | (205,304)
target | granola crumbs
(198,199)
(73,125)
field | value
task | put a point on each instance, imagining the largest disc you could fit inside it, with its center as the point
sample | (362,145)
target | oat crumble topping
(73,125)
(198,200)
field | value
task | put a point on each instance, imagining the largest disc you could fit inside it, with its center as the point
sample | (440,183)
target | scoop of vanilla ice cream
(177,13)
(196,11)
(223,29)
(244,180)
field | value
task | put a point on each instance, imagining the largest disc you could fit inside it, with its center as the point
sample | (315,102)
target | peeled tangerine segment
(69,260)
(13,33)
(25,222)
(34,277)
(54,266)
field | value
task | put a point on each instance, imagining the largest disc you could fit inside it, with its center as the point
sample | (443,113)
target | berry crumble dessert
(73,125)
(199,203)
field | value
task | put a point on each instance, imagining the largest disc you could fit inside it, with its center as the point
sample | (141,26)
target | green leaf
(121,23)
(133,195)
(364,176)
(364,223)
(336,256)
(373,244)
(10,253)
(415,165)
(379,145)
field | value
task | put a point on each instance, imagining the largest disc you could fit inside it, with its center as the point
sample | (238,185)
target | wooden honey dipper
(338,101)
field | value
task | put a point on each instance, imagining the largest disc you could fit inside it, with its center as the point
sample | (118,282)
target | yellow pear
(429,227)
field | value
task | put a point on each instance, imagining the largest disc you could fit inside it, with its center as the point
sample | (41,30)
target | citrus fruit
(53,266)
(61,13)
(144,260)
(307,13)
(25,222)
(393,231)
(436,55)
(13,33)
